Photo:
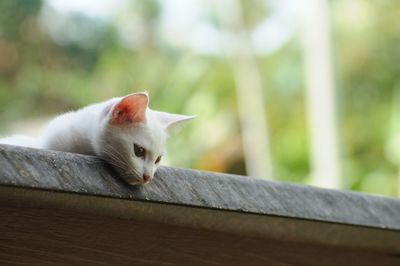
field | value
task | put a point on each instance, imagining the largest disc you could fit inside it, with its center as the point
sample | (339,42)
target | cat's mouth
(134,181)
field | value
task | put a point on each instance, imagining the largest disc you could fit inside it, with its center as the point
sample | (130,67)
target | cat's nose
(146,178)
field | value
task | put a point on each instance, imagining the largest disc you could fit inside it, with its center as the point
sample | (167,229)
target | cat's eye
(139,151)
(158,159)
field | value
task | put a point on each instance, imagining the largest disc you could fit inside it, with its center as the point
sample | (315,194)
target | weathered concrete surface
(247,209)
(67,172)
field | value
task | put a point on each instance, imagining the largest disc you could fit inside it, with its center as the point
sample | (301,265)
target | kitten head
(133,138)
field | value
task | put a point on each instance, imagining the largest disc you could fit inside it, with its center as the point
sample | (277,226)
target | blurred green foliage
(43,74)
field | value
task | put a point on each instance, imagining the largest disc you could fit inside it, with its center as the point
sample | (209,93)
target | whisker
(119,161)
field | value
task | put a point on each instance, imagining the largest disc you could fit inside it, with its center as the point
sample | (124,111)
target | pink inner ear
(131,109)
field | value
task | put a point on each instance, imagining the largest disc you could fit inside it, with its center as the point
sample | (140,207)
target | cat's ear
(172,121)
(131,109)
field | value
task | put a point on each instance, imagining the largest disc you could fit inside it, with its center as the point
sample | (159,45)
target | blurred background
(301,91)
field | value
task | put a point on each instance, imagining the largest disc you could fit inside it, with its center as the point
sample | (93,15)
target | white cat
(123,131)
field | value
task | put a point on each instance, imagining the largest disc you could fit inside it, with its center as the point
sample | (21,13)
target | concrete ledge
(249,208)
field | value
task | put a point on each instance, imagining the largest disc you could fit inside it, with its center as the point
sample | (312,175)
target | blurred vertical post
(254,130)
(393,139)
(326,168)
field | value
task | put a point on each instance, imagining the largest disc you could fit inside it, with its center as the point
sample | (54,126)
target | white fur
(89,131)
(20,140)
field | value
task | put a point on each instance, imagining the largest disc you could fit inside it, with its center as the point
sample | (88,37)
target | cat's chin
(135,181)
